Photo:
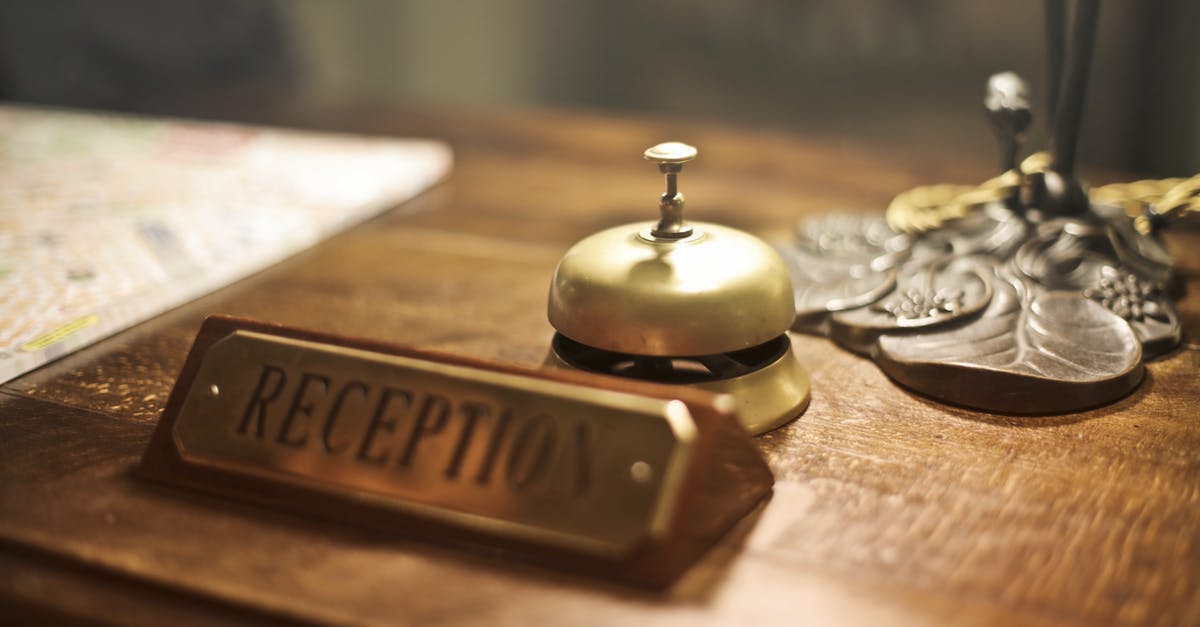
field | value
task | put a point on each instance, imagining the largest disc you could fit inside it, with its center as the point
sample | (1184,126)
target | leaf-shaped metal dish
(1061,352)
(842,261)
(1001,311)
(925,296)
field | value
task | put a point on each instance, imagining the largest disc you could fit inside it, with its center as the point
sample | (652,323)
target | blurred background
(908,75)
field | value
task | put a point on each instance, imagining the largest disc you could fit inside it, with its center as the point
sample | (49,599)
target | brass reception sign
(588,469)
(440,446)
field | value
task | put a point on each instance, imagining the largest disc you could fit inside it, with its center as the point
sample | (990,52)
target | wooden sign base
(586,472)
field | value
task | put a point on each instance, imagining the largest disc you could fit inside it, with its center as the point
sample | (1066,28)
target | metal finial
(1008,113)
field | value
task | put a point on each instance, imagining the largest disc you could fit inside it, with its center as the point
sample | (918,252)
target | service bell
(687,303)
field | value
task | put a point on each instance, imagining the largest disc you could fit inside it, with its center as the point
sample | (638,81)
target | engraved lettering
(431,419)
(437,447)
(380,420)
(257,406)
(335,411)
(432,433)
(299,407)
(530,454)
(472,413)
(493,450)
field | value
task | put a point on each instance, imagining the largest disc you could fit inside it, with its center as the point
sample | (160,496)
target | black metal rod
(1069,113)
(1056,36)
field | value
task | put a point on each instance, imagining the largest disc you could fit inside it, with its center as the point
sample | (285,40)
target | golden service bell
(694,304)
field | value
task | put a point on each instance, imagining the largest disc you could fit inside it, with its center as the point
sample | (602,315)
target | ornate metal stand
(1020,295)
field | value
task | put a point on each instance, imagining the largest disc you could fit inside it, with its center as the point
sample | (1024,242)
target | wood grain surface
(889,508)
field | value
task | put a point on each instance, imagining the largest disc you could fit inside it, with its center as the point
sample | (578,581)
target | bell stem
(670,157)
(672,183)
(670,206)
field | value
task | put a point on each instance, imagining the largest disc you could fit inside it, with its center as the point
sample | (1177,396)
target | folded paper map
(108,220)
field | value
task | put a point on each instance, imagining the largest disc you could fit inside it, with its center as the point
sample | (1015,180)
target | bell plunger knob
(670,157)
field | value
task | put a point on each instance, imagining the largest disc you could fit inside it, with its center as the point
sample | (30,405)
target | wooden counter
(889,508)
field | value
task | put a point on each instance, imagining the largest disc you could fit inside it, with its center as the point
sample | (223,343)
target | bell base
(768,396)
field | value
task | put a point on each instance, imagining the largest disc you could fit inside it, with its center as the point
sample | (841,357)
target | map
(107,220)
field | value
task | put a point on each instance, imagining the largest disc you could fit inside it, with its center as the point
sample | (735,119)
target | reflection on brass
(1024,294)
(520,460)
(681,302)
